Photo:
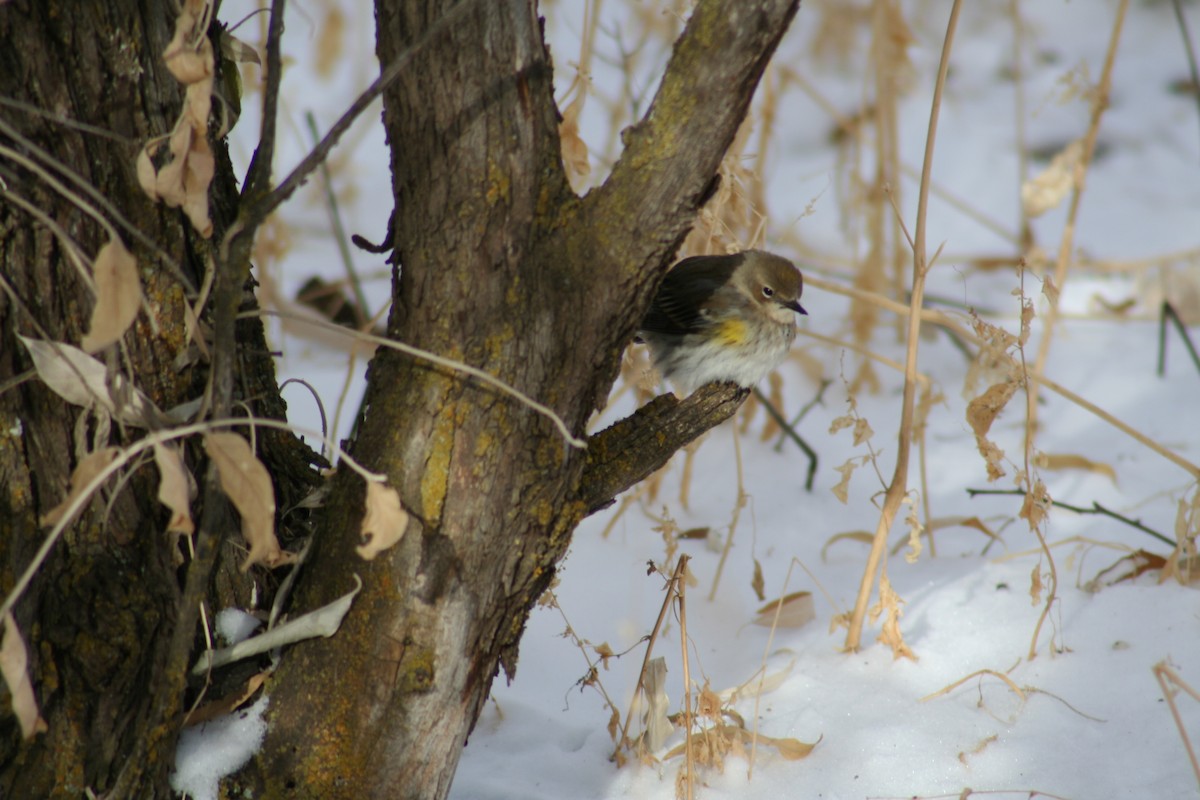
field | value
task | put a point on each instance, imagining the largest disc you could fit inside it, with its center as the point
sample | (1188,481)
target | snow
(1085,718)
(212,750)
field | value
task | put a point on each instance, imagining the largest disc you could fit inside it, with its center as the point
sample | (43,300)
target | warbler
(723,318)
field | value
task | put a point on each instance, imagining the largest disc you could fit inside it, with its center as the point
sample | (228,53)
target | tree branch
(630,450)
(672,154)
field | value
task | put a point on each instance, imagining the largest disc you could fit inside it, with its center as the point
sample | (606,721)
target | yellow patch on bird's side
(732,331)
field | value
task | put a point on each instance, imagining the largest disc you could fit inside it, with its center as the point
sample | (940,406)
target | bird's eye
(768,291)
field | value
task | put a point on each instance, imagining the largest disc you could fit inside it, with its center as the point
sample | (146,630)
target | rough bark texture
(102,619)
(502,267)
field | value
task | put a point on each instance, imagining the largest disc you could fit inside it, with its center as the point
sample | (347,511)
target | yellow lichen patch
(499,186)
(436,475)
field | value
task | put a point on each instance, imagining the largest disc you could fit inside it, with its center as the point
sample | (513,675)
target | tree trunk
(503,267)
(83,86)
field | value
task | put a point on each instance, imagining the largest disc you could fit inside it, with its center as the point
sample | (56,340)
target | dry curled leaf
(1047,189)
(841,490)
(82,380)
(889,606)
(981,413)
(246,482)
(87,470)
(184,180)
(757,583)
(1035,585)
(1036,505)
(174,488)
(118,296)
(14,663)
(383,523)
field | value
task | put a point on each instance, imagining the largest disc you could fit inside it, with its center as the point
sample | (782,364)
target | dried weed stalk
(898,488)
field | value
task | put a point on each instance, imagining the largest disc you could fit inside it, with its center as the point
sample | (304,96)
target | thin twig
(1146,441)
(1168,311)
(790,432)
(1187,46)
(361,310)
(1095,509)
(258,174)
(300,174)
(1067,244)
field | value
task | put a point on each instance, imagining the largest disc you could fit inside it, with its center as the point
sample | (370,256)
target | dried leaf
(248,485)
(1136,564)
(757,583)
(87,470)
(915,528)
(1050,290)
(1035,585)
(708,704)
(14,663)
(238,51)
(324,621)
(795,611)
(654,719)
(756,686)
(1047,189)
(605,651)
(1071,461)
(174,488)
(384,521)
(1036,505)
(183,182)
(855,536)
(789,748)
(889,605)
(118,296)
(182,55)
(82,380)
(981,413)
(862,431)
(841,490)
(614,724)
(228,704)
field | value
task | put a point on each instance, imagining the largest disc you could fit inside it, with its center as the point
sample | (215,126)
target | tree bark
(503,267)
(108,634)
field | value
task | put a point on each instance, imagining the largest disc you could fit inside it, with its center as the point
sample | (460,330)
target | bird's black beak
(795,306)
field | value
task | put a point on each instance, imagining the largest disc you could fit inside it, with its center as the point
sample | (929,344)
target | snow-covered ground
(1084,719)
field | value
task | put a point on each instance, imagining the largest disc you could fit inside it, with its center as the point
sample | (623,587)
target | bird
(723,318)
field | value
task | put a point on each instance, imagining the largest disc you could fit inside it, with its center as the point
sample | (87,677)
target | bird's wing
(688,286)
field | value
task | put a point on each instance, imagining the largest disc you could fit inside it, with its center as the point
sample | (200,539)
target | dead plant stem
(1067,243)
(1163,673)
(680,571)
(897,489)
(680,585)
